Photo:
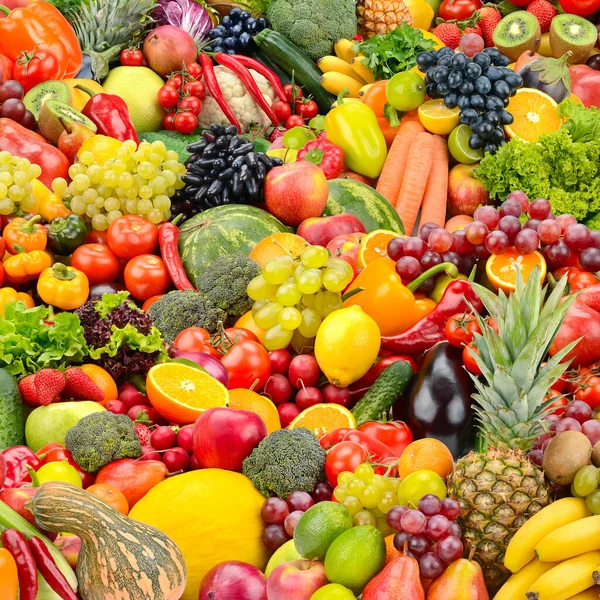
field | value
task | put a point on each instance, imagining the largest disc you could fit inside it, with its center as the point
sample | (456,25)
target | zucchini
(283,75)
(290,58)
(12,425)
(382,395)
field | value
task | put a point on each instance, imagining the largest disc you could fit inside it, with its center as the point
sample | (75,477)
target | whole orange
(428,453)
(103,380)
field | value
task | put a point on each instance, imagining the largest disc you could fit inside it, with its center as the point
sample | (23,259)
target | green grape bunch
(16,191)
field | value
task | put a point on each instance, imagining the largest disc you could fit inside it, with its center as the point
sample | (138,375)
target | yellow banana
(359,66)
(544,48)
(568,578)
(334,83)
(570,540)
(364,89)
(591,594)
(329,64)
(519,583)
(344,49)
(521,547)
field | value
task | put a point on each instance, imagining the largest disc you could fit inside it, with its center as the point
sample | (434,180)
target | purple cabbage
(189,15)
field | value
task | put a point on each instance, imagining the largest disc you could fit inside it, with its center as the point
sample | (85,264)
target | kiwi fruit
(570,33)
(565,455)
(517,32)
(596,454)
(53,112)
(47,90)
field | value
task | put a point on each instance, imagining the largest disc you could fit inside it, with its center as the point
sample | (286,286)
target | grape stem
(449,268)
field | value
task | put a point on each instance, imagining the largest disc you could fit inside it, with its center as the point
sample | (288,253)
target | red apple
(69,546)
(295,192)
(321,230)
(296,580)
(18,499)
(224,437)
(465,193)
(346,247)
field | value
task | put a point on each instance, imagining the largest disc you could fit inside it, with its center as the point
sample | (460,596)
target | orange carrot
(415,178)
(390,180)
(436,193)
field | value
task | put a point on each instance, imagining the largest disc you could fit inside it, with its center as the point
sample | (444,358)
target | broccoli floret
(314,25)
(100,438)
(286,461)
(179,310)
(225,282)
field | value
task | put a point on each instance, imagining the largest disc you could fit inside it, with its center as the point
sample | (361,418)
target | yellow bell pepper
(9,295)
(25,266)
(353,126)
(40,192)
(52,206)
(287,155)
(64,287)
(101,146)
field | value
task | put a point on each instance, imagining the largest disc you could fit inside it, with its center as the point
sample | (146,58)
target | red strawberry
(143,432)
(449,34)
(544,12)
(49,383)
(80,386)
(475,29)
(489,19)
(29,391)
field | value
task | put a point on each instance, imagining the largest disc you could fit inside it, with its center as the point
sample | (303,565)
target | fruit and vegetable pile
(299,300)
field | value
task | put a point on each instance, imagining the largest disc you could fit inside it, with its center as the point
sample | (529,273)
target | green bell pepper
(66,234)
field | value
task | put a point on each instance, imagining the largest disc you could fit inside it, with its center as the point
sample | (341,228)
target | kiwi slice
(570,33)
(53,112)
(48,90)
(516,33)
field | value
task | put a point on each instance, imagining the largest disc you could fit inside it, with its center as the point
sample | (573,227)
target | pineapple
(377,17)
(500,488)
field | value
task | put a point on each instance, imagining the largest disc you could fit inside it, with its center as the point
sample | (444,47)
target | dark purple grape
(451,257)
(536,457)
(11,89)
(430,505)
(430,259)
(438,527)
(577,236)
(426,229)
(13,109)
(449,549)
(460,243)
(557,254)
(497,242)
(431,565)
(28,121)
(481,252)
(526,241)
(539,209)
(510,208)
(408,268)
(322,492)
(400,539)
(395,248)
(274,536)
(532,224)
(595,241)
(419,544)
(415,247)
(579,410)
(590,259)
(510,225)
(467,262)
(450,509)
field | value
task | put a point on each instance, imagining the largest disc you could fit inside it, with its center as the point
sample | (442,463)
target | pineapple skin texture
(498,491)
(377,17)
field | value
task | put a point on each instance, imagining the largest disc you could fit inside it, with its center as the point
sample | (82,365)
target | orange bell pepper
(375,97)
(9,295)
(9,579)
(25,266)
(29,235)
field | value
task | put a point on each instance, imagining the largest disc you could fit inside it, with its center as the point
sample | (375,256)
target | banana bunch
(345,70)
(555,555)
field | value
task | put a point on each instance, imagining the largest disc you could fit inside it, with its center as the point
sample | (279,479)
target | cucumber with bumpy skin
(382,395)
(12,426)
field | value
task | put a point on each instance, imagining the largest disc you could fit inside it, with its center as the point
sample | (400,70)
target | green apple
(50,423)
(283,554)
(333,591)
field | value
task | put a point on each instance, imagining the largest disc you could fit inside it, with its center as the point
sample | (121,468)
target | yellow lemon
(347,344)
(429,36)
(101,146)
(421,13)
(78,97)
(436,118)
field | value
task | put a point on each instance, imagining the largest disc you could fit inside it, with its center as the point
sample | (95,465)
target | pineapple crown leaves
(511,402)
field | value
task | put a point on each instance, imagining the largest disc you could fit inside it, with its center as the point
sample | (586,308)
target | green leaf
(109,302)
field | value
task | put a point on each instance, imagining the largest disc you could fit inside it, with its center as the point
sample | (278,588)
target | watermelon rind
(365,203)
(228,229)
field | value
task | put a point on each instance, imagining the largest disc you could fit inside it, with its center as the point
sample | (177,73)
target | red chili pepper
(325,154)
(430,330)
(333,438)
(50,572)
(396,435)
(168,238)
(210,79)
(110,115)
(246,77)
(17,458)
(269,75)
(378,450)
(16,543)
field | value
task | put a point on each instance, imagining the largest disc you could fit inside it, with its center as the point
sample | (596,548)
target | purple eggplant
(549,75)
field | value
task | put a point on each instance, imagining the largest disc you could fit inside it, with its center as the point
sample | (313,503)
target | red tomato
(458,9)
(148,303)
(307,109)
(36,66)
(131,236)
(345,456)
(130,57)
(292,92)
(232,336)
(185,122)
(96,237)
(97,261)
(146,276)
(195,339)
(195,88)
(248,365)
(192,104)
(492,323)
(396,435)
(469,361)
(460,329)
(282,110)
(558,406)
(583,8)
(168,96)
(169,121)
(176,81)
(194,69)
(590,392)
(58,453)
(294,121)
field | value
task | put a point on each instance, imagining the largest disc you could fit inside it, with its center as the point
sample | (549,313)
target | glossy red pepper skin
(210,79)
(168,238)
(110,115)
(17,458)
(326,155)
(377,451)
(396,435)
(50,572)
(16,543)
(270,76)
(333,438)
(458,297)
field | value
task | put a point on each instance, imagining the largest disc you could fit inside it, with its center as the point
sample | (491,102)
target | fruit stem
(340,99)
(448,267)
(86,90)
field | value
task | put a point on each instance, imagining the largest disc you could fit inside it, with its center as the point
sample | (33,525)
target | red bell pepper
(396,435)
(585,84)
(18,458)
(333,438)
(326,155)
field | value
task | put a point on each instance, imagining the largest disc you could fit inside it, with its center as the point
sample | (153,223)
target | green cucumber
(12,426)
(290,58)
(382,395)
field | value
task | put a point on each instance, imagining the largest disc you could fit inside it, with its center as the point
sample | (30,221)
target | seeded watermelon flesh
(228,229)
(365,203)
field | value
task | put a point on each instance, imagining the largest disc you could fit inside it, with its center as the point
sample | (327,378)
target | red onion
(213,367)
(233,580)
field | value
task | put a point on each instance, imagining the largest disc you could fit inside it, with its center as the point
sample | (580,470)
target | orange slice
(322,419)
(181,393)
(278,244)
(500,268)
(535,113)
(374,245)
(248,400)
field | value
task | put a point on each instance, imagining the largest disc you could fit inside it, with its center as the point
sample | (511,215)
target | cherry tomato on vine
(345,456)
(185,122)
(169,121)
(458,9)
(460,328)
(195,339)
(294,121)
(558,406)
(583,8)
(130,57)
(168,96)
(146,276)
(176,81)
(192,104)
(132,235)
(35,67)
(469,361)
(232,336)
(292,92)
(590,392)
(194,69)
(195,88)
(282,110)
(97,261)
(307,109)
(248,365)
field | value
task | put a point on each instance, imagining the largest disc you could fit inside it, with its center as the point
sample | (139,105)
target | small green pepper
(66,234)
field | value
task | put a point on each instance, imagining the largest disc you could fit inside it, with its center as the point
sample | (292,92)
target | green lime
(355,557)
(296,137)
(333,591)
(458,144)
(406,91)
(418,484)
(318,527)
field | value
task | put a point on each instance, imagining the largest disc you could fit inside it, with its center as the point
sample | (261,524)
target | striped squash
(120,558)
